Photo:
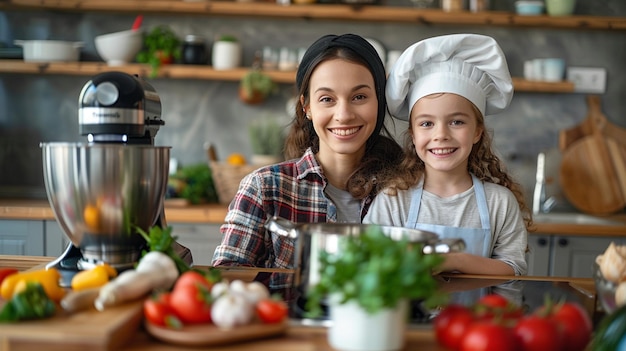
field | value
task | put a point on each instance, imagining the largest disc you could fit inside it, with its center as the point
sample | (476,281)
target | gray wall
(35,108)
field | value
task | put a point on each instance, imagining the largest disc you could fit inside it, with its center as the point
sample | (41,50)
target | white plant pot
(353,329)
(226,55)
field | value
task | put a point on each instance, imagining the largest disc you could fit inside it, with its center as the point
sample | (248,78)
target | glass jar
(194,50)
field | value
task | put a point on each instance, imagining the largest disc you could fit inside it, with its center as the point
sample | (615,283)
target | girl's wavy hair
(382,153)
(482,162)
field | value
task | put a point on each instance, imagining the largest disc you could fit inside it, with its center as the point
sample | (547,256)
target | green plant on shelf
(161,46)
(267,137)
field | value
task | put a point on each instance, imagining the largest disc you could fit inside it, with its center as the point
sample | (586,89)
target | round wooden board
(588,175)
(209,334)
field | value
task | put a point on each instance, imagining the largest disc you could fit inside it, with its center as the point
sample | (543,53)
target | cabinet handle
(542,241)
(563,242)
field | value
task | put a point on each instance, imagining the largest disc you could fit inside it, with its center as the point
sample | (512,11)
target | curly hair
(482,162)
(382,152)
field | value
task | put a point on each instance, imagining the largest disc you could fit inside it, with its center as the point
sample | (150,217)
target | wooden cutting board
(593,167)
(89,330)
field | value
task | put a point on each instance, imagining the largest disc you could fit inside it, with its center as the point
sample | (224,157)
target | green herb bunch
(160,45)
(267,137)
(197,183)
(255,81)
(376,271)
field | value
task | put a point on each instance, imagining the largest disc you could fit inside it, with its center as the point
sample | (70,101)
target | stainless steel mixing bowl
(100,193)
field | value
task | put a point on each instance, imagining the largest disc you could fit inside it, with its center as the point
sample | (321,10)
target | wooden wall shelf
(363,13)
(208,73)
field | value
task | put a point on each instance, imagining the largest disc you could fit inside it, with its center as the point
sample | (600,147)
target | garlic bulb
(613,263)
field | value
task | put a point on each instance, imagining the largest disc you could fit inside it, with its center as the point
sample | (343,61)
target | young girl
(450,181)
(341,157)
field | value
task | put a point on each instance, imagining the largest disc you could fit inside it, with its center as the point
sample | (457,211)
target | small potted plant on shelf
(367,288)
(267,139)
(226,53)
(161,46)
(255,86)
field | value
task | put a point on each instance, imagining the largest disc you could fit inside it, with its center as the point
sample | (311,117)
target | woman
(451,182)
(339,150)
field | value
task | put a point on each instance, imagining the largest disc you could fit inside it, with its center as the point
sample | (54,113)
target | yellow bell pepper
(94,277)
(48,278)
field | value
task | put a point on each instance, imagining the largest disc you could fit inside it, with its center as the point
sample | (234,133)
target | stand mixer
(103,190)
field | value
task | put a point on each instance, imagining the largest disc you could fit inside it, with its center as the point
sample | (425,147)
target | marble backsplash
(38,108)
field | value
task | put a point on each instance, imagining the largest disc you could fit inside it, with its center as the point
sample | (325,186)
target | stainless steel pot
(313,238)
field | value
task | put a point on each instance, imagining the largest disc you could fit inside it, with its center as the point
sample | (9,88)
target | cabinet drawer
(21,238)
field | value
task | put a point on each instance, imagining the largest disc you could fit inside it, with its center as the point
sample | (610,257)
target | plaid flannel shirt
(293,190)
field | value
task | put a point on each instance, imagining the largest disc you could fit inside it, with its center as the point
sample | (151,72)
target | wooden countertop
(175,212)
(300,337)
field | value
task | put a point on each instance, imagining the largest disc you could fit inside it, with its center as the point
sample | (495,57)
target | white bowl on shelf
(50,50)
(119,48)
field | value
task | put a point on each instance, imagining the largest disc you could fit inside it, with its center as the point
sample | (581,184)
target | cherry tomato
(575,324)
(538,333)
(157,310)
(488,336)
(493,306)
(493,301)
(271,310)
(191,298)
(450,325)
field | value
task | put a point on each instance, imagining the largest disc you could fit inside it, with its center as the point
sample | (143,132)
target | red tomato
(157,310)
(488,336)
(450,325)
(494,301)
(537,333)
(497,306)
(191,298)
(271,310)
(575,324)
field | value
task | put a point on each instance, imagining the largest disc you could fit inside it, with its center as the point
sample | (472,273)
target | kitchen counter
(176,211)
(301,337)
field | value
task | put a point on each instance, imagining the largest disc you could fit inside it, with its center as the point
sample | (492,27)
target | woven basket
(226,178)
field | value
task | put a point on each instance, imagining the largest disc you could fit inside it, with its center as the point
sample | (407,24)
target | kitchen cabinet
(22,238)
(28,237)
(566,255)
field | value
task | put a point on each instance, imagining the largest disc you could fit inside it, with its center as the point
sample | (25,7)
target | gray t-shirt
(348,208)
(509,237)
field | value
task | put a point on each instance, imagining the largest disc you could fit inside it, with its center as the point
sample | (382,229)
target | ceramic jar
(560,7)
(226,55)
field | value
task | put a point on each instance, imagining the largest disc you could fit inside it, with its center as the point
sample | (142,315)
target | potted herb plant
(226,53)
(160,46)
(267,140)
(255,86)
(368,286)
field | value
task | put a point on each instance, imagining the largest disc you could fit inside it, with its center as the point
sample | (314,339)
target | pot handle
(445,246)
(282,227)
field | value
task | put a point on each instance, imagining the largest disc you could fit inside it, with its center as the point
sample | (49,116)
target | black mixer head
(117,107)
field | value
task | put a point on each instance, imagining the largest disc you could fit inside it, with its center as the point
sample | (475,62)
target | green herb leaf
(376,271)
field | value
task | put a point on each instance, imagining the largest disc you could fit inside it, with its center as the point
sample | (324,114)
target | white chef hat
(469,65)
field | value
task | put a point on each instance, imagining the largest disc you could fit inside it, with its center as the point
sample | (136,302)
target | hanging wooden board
(593,169)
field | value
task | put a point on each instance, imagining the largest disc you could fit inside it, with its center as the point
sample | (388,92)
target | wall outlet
(587,79)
